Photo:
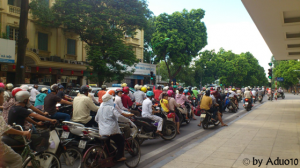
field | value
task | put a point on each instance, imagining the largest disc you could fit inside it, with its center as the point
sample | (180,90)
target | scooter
(247,104)
(147,128)
(254,99)
(260,98)
(206,117)
(231,106)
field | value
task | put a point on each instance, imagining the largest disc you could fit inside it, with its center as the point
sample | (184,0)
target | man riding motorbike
(140,95)
(248,95)
(181,99)
(233,97)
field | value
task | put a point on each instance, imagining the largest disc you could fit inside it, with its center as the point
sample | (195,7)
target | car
(31,85)
(115,88)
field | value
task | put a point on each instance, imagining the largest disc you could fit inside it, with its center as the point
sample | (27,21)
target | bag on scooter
(197,111)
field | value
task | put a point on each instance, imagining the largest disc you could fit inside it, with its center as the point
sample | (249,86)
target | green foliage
(148,31)
(102,25)
(187,37)
(232,69)
(286,69)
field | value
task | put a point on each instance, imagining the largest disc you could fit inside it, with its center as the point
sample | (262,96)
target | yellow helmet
(123,85)
(233,89)
(144,89)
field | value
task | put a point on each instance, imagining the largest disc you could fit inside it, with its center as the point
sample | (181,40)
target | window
(43,41)
(71,47)
(16,3)
(13,33)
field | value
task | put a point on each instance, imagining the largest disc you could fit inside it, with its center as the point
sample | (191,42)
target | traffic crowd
(28,107)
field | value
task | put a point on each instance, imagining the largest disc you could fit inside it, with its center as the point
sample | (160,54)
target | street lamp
(155,45)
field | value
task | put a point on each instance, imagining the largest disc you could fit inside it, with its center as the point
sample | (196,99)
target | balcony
(132,41)
(14,9)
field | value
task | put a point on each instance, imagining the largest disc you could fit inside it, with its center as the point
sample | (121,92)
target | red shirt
(100,94)
(156,94)
(126,101)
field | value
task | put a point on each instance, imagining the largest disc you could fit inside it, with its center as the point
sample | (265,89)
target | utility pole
(22,43)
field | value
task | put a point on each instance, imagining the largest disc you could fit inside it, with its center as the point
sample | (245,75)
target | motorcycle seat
(12,142)
(144,119)
(103,138)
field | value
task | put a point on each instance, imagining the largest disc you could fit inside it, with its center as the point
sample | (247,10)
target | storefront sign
(4,67)
(3,79)
(143,69)
(7,50)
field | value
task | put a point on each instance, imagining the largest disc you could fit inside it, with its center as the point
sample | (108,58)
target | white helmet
(9,86)
(246,88)
(25,87)
(165,88)
(44,89)
(139,87)
(21,96)
(136,87)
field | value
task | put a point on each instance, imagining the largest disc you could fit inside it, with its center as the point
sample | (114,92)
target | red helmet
(126,89)
(212,92)
(15,90)
(119,90)
(211,88)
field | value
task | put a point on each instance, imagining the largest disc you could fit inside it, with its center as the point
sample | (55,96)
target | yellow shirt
(206,102)
(164,104)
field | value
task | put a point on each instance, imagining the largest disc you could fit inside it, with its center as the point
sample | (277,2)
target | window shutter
(7,31)
(10,2)
(43,41)
(71,47)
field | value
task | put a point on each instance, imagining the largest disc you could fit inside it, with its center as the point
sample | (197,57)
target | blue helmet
(61,86)
(185,91)
(150,93)
(49,90)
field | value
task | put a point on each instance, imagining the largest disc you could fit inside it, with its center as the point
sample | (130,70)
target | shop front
(141,74)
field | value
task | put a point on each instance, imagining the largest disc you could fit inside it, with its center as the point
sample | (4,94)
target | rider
(148,111)
(118,100)
(215,103)
(254,93)
(7,93)
(195,92)
(126,101)
(33,93)
(140,95)
(50,102)
(157,93)
(18,114)
(82,107)
(260,92)
(172,106)
(101,93)
(233,96)
(181,99)
(61,93)
(109,126)
(165,90)
(39,101)
(129,94)
(248,95)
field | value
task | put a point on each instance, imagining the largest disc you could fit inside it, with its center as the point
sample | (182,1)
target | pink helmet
(170,92)
(2,85)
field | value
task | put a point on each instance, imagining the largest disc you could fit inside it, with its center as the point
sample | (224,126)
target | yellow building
(52,55)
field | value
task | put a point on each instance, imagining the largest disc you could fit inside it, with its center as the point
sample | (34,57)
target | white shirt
(139,96)
(91,96)
(33,94)
(254,92)
(131,96)
(232,94)
(247,94)
(107,120)
(147,108)
(82,106)
(118,102)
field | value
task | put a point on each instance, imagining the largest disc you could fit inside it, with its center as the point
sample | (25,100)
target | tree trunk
(22,43)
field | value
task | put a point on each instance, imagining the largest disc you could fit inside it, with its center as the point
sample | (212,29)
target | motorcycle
(239,97)
(281,94)
(247,104)
(231,106)
(206,117)
(147,128)
(194,101)
(254,99)
(260,98)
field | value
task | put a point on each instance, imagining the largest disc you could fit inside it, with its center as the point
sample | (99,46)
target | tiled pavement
(270,131)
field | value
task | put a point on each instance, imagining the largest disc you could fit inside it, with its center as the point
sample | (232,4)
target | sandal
(121,159)
(159,133)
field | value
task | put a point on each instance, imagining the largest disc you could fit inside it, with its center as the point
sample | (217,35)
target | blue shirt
(40,99)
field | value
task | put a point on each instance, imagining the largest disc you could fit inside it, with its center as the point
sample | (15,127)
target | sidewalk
(272,130)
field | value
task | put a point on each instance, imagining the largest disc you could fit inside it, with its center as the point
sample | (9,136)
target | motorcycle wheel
(205,123)
(74,155)
(283,97)
(133,153)
(169,132)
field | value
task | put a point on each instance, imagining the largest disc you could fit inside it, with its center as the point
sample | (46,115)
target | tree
(101,25)
(187,37)
(22,42)
(286,69)
(148,32)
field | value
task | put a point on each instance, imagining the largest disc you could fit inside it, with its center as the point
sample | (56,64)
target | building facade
(52,56)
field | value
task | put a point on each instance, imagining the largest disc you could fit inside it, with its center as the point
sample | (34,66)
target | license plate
(65,134)
(246,102)
(203,115)
(82,144)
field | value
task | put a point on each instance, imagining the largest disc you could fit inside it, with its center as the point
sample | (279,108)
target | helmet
(126,89)
(181,90)
(22,95)
(170,92)
(226,91)
(144,89)
(148,88)
(195,88)
(136,87)
(44,89)
(119,90)
(233,89)
(207,92)
(246,88)
(203,88)
(35,85)
(111,92)
(9,86)
(2,85)
(60,86)
(15,90)
(165,88)
(25,87)
(84,89)
(123,84)
(185,91)
(211,88)
(170,115)
(139,87)
(54,87)
(212,92)
(150,93)
(103,87)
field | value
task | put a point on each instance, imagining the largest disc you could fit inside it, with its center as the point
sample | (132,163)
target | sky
(228,25)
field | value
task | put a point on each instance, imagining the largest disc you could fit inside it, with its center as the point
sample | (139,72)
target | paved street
(158,152)
(269,130)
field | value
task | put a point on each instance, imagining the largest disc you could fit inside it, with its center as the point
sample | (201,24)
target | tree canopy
(187,36)
(101,25)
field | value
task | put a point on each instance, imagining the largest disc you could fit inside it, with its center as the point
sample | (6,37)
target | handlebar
(21,128)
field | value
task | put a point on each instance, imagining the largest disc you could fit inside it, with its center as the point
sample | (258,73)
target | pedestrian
(157,93)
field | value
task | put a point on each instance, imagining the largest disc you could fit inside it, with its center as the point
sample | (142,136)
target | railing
(14,9)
